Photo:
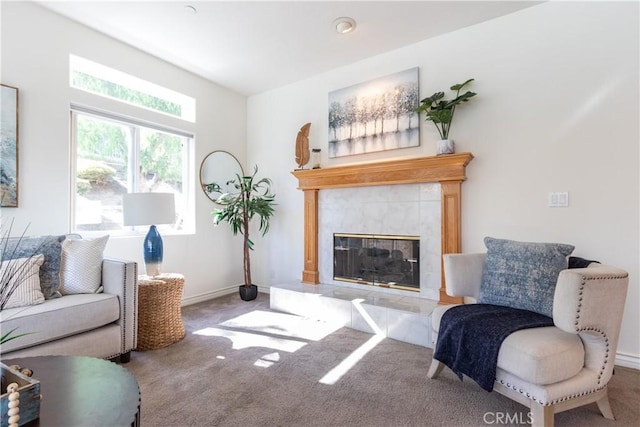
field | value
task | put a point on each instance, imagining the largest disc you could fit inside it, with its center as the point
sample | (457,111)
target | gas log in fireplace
(377,260)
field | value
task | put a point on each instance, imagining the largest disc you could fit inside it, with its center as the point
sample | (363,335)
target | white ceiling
(251,47)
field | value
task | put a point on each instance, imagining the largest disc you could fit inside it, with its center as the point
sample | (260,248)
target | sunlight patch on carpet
(334,375)
(242,340)
(357,303)
(267,360)
(283,324)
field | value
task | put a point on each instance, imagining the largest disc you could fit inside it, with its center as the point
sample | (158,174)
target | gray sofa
(102,324)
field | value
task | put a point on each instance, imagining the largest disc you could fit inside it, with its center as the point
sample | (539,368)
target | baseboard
(628,361)
(217,294)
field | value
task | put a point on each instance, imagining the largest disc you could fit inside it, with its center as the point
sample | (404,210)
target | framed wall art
(375,116)
(8,147)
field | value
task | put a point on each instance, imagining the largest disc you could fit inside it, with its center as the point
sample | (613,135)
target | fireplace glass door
(377,260)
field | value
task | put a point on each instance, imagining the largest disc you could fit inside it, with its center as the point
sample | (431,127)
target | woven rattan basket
(159,311)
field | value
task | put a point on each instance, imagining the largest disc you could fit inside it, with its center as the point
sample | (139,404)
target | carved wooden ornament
(302,146)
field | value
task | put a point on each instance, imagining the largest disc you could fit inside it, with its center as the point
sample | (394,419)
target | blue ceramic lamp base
(153,252)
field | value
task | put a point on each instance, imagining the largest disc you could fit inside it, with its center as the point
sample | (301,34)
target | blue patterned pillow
(51,248)
(522,275)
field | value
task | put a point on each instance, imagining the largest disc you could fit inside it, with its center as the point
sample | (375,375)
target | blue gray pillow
(522,274)
(51,248)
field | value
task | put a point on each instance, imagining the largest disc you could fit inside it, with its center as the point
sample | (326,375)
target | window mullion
(103,144)
(73,178)
(134,153)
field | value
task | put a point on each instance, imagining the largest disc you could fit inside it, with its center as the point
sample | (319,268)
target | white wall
(36,44)
(557,110)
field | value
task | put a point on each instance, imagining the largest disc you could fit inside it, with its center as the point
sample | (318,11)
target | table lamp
(150,209)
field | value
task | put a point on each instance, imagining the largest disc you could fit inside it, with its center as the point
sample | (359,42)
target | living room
(554,82)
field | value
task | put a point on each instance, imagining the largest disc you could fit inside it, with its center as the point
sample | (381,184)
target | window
(101,80)
(114,155)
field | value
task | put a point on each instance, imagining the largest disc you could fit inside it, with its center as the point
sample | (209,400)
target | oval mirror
(216,170)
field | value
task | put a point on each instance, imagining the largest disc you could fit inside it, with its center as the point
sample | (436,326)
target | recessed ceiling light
(190,9)
(344,25)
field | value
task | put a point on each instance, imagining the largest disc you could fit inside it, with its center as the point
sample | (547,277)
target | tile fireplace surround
(402,210)
(420,196)
(446,171)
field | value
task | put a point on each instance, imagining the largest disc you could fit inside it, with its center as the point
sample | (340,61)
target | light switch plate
(558,199)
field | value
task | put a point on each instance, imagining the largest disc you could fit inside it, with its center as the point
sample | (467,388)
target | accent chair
(555,368)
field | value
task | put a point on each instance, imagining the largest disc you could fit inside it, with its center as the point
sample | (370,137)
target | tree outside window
(115,157)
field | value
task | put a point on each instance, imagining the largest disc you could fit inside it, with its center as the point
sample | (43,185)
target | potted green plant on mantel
(440,111)
(251,198)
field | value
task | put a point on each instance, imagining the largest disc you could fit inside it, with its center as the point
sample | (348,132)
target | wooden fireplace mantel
(448,170)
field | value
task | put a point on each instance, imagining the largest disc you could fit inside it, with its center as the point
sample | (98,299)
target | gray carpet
(242,364)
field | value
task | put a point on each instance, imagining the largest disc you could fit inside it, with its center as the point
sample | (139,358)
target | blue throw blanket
(470,337)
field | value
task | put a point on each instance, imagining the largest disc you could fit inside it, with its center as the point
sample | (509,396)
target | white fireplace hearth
(404,209)
(419,196)
(403,318)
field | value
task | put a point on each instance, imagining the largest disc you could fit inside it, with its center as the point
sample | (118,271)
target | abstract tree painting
(375,116)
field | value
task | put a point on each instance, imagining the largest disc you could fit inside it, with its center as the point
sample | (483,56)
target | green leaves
(239,208)
(252,198)
(440,116)
(461,85)
(433,98)
(8,336)
(462,98)
(440,111)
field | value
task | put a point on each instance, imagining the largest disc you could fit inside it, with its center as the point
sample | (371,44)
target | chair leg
(435,368)
(605,406)
(541,416)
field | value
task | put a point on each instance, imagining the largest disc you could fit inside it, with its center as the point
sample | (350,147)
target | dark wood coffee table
(83,391)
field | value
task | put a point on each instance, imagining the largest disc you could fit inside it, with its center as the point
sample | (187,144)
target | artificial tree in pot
(251,198)
(440,111)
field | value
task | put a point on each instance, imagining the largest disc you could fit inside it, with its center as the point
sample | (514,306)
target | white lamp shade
(148,208)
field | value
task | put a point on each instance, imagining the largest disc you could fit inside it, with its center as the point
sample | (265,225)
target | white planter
(445,146)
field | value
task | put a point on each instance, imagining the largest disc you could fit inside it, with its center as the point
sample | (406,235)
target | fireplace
(377,260)
(445,172)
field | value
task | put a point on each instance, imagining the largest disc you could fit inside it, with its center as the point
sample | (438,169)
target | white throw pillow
(25,273)
(81,266)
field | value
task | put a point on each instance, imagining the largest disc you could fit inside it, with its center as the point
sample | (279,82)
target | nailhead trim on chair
(562,399)
(590,329)
(135,304)
(125,318)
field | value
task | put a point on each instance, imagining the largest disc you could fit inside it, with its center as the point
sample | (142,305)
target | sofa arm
(463,274)
(120,277)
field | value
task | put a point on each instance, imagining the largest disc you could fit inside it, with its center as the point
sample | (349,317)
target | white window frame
(102,72)
(188,185)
